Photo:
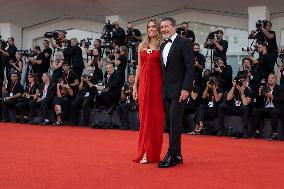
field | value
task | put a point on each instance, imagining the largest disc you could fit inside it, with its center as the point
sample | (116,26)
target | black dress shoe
(45,123)
(167,162)
(179,159)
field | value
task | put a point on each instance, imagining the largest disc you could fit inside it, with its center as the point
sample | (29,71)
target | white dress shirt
(167,48)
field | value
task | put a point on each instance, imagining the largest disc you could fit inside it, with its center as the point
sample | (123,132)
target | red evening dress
(151,110)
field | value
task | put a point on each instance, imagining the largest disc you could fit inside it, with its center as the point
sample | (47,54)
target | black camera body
(87,42)
(260,24)
(3,43)
(28,53)
(239,83)
(52,34)
(211,35)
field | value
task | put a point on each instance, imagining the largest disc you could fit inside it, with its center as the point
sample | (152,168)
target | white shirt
(167,48)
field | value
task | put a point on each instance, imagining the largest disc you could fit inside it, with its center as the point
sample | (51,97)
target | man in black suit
(47,92)
(109,93)
(177,61)
(76,58)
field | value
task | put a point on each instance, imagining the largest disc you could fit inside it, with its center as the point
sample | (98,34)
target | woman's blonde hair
(147,39)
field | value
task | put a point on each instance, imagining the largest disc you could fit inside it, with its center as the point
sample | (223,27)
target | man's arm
(188,58)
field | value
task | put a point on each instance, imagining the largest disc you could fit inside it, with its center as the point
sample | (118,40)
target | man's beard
(166,36)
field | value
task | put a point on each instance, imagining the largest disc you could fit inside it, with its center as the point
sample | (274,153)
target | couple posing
(163,82)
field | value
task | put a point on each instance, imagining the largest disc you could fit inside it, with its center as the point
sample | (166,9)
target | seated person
(30,93)
(85,97)
(127,102)
(208,110)
(109,93)
(223,73)
(62,101)
(11,95)
(271,104)
(238,102)
(97,64)
(69,76)
(44,100)
(191,104)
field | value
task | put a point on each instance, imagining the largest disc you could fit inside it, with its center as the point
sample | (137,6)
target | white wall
(37,32)
(206,18)
(10,30)
(278,26)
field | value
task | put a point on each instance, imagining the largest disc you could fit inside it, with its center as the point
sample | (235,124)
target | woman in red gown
(148,83)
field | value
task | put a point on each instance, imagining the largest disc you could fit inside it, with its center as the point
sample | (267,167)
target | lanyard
(66,78)
(12,88)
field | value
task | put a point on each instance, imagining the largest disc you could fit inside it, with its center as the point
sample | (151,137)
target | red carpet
(34,157)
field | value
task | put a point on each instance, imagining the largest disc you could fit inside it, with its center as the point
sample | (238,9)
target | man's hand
(269,95)
(183,95)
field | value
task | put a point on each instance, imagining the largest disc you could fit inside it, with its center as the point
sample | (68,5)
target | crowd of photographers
(59,81)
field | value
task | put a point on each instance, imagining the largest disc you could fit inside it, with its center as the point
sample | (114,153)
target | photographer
(223,73)
(43,100)
(12,94)
(96,47)
(85,97)
(252,73)
(17,65)
(271,104)
(57,66)
(76,58)
(216,42)
(47,51)
(133,38)
(69,76)
(264,34)
(60,40)
(238,102)
(120,62)
(61,101)
(186,32)
(191,104)
(118,34)
(109,93)
(31,92)
(127,102)
(208,110)
(199,64)
(9,55)
(97,64)
(38,66)
(265,61)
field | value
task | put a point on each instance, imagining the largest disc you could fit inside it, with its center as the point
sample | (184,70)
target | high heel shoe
(144,159)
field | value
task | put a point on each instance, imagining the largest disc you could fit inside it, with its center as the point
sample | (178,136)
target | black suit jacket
(178,74)
(51,91)
(75,56)
(278,98)
(113,84)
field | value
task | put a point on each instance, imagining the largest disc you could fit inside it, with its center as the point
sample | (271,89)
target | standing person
(149,79)
(177,61)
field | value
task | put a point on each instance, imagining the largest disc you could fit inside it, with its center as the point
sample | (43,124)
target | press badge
(238,103)
(87,94)
(211,104)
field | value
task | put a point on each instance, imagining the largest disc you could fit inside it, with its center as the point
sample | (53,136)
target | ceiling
(25,13)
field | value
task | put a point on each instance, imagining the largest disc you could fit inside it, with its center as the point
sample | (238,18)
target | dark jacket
(75,56)
(278,98)
(178,73)
(51,91)
(113,85)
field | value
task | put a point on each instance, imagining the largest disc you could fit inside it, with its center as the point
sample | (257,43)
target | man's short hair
(263,44)
(184,23)
(196,44)
(100,41)
(12,38)
(65,63)
(220,31)
(37,48)
(46,41)
(245,60)
(47,75)
(171,19)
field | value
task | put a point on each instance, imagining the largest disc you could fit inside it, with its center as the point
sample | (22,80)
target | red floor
(35,157)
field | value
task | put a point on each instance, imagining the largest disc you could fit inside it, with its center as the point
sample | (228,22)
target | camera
(87,76)
(239,82)
(249,49)
(281,54)
(52,34)
(87,42)
(3,43)
(27,53)
(261,24)
(107,31)
(211,35)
